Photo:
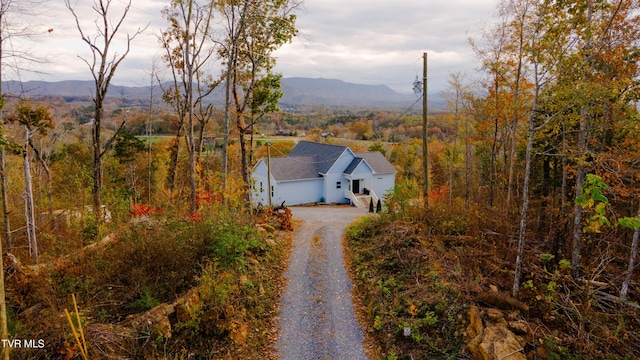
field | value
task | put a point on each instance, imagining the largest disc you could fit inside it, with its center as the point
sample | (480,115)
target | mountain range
(298,92)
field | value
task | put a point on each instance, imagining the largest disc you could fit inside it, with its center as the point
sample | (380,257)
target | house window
(272,193)
(261,188)
(338,185)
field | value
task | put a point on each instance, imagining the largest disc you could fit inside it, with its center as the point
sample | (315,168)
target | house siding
(299,192)
(382,183)
(297,182)
(260,184)
(362,173)
(331,193)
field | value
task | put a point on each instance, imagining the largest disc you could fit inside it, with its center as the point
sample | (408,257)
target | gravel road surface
(316,312)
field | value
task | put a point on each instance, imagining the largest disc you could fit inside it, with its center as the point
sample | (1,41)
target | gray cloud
(361,41)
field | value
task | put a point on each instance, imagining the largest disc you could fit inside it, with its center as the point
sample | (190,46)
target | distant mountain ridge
(298,92)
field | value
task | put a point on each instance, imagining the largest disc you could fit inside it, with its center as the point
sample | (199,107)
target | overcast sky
(359,41)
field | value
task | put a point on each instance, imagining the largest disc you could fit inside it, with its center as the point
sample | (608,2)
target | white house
(315,172)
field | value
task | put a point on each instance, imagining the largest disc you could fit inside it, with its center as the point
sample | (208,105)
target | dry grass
(236,270)
(424,270)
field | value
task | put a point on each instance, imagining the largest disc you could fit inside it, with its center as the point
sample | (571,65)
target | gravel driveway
(316,312)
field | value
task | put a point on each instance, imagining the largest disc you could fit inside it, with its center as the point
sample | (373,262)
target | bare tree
(103,65)
(188,51)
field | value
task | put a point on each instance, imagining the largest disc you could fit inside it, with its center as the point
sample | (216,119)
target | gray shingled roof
(325,154)
(378,162)
(289,168)
(354,164)
(308,160)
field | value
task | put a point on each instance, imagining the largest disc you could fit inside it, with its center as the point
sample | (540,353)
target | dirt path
(316,313)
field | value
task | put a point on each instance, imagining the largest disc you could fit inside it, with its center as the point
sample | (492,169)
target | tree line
(551,127)
(200,36)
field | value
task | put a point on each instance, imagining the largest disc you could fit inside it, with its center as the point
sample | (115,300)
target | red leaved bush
(144,210)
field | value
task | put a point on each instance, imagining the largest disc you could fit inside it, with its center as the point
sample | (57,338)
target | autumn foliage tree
(189,53)
(254,30)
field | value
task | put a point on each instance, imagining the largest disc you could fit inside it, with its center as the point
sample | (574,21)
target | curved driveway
(316,312)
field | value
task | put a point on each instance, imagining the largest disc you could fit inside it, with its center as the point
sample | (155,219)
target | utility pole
(425,151)
(269,170)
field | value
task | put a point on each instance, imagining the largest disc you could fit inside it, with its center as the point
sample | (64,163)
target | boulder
(493,340)
(498,342)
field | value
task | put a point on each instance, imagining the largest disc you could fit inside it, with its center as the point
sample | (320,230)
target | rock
(519,327)
(500,343)
(475,322)
(495,340)
(495,315)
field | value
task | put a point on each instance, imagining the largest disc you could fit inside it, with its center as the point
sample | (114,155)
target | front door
(356,186)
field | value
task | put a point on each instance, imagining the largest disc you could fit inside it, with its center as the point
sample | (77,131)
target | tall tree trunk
(5,203)
(580,176)
(525,207)
(4,331)
(251,143)
(243,152)
(28,198)
(47,172)
(493,173)
(632,261)
(173,164)
(467,165)
(577,225)
(97,161)
(582,151)
(225,125)
(564,191)
(189,100)
(514,125)
(231,63)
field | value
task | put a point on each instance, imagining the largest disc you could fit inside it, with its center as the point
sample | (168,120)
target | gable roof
(288,168)
(325,155)
(309,160)
(377,162)
(354,164)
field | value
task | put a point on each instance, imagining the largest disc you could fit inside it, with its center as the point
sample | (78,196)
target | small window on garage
(338,185)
